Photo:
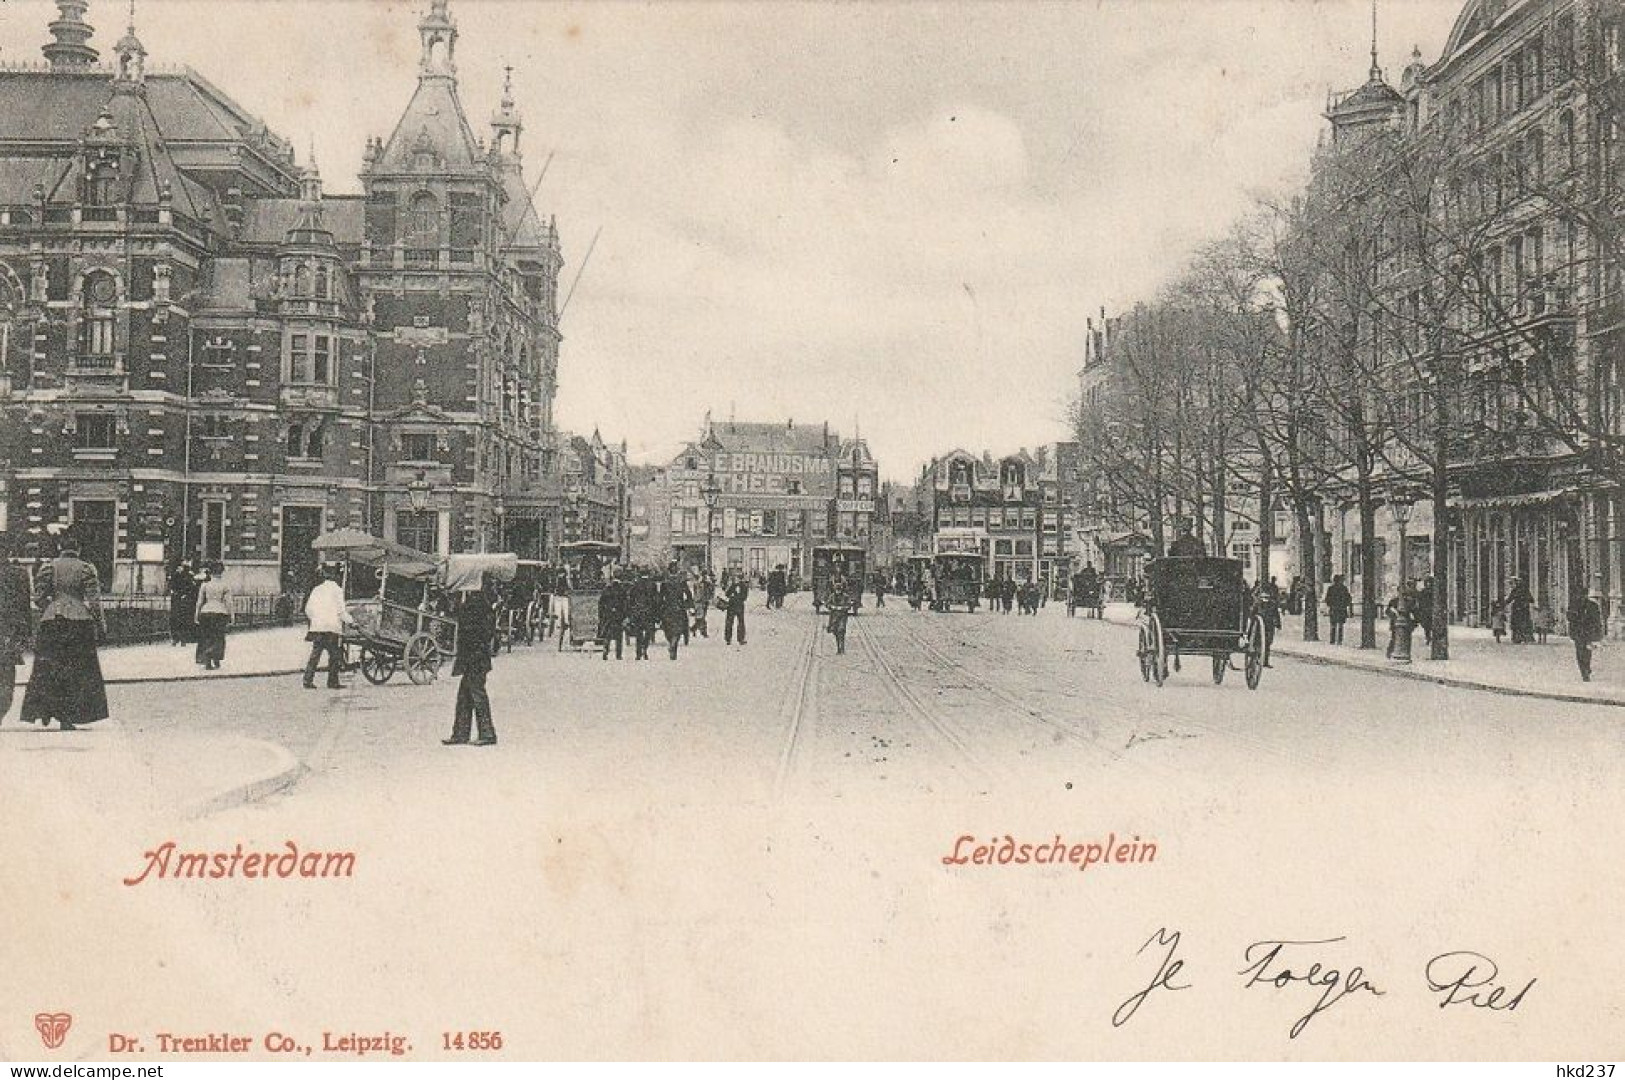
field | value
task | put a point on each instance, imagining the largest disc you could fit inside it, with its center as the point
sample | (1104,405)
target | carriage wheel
(1220,663)
(422,658)
(1159,660)
(376,668)
(1145,654)
(1255,652)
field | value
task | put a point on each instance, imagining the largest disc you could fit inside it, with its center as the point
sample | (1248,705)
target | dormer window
(101,188)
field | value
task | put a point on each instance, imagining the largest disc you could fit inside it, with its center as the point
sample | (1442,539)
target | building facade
(204,352)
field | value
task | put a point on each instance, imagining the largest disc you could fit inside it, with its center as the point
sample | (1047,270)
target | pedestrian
(66,682)
(612,615)
(16,620)
(1007,595)
(840,609)
(328,616)
(476,623)
(1398,609)
(1586,628)
(1267,595)
(1498,619)
(1545,622)
(1339,604)
(642,612)
(1294,596)
(880,589)
(1423,607)
(1520,603)
(182,602)
(734,597)
(705,593)
(676,603)
(213,616)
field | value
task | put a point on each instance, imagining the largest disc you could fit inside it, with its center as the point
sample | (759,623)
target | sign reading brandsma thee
(743,472)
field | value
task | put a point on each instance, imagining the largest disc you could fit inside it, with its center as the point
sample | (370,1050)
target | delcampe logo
(53,1028)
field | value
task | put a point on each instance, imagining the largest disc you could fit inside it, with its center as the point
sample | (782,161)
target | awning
(1510,502)
(465,573)
(376,551)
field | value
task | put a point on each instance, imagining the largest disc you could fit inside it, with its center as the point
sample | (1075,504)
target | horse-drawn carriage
(1086,592)
(580,582)
(408,623)
(1199,607)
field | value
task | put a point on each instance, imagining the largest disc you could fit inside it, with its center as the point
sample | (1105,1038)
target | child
(1545,623)
(1498,620)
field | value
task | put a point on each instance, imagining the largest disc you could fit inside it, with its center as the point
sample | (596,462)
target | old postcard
(812,531)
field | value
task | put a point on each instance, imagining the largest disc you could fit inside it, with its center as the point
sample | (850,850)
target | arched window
(98,313)
(301,280)
(324,282)
(1537,158)
(1570,147)
(424,222)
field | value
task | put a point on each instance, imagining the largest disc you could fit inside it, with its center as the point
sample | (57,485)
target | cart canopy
(464,573)
(371,550)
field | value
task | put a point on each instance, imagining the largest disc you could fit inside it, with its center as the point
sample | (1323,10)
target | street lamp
(1400,506)
(418,492)
(712,494)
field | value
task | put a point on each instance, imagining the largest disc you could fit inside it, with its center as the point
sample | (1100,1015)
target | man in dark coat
(1519,603)
(1339,603)
(642,612)
(1585,627)
(1186,546)
(612,615)
(676,602)
(733,603)
(183,589)
(476,625)
(16,621)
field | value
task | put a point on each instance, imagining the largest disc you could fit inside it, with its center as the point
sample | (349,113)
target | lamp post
(1400,507)
(712,494)
(417,492)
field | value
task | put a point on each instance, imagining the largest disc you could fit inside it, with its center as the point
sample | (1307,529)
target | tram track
(1186,724)
(800,700)
(932,720)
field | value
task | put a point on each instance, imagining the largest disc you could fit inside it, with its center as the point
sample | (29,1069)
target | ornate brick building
(201,350)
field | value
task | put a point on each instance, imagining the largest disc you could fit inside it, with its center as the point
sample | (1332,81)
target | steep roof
(434,119)
(741,437)
(38,104)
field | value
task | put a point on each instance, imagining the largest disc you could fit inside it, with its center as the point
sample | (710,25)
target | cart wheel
(376,667)
(1159,657)
(422,659)
(1255,652)
(1220,663)
(1146,655)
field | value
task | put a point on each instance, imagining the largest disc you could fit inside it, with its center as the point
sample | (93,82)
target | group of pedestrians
(637,601)
(200,609)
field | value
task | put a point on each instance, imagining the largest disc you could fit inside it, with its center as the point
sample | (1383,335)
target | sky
(894,217)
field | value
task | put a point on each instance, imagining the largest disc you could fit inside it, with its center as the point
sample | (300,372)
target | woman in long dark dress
(66,682)
(183,588)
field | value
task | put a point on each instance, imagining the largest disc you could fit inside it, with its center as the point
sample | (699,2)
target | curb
(1424,676)
(1446,680)
(139,680)
(286,771)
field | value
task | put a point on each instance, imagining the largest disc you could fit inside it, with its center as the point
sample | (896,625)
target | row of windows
(976,517)
(100,431)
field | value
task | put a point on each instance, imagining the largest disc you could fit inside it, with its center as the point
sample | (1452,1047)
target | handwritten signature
(1299,967)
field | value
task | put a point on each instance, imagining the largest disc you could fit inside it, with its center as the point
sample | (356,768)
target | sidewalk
(250,654)
(1476,661)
